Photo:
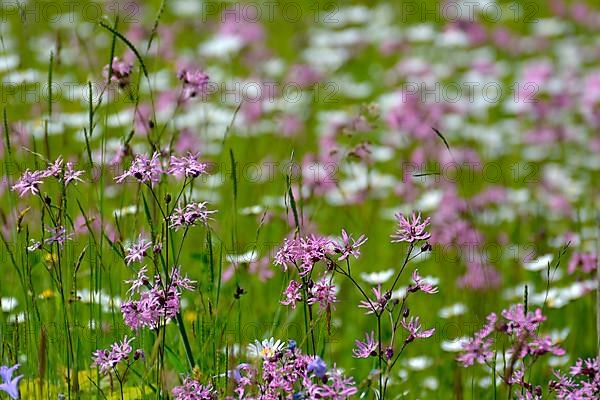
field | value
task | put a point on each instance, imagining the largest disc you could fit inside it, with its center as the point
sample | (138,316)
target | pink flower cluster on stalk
(303,252)
(520,327)
(414,328)
(582,383)
(378,305)
(149,170)
(138,250)
(323,291)
(108,359)
(193,390)
(187,166)
(411,229)
(30,181)
(367,348)
(348,246)
(58,235)
(290,374)
(189,215)
(119,72)
(587,261)
(195,82)
(158,300)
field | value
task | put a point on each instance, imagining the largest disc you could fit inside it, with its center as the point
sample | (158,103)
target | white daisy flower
(376,278)
(265,349)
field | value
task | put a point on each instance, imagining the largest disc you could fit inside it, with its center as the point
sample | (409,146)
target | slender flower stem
(380,356)
(404,264)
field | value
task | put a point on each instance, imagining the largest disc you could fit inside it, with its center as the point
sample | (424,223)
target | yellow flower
(190,316)
(49,258)
(46,294)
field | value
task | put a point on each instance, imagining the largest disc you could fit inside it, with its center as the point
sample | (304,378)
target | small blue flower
(236,373)
(318,366)
(292,345)
(9,385)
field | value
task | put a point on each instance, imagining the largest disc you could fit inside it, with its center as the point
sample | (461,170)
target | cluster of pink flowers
(119,72)
(415,331)
(290,374)
(30,180)
(367,348)
(323,291)
(303,252)
(108,359)
(377,305)
(149,170)
(520,327)
(187,166)
(348,246)
(158,300)
(58,235)
(479,276)
(583,382)
(138,250)
(195,82)
(193,390)
(588,261)
(411,229)
(189,215)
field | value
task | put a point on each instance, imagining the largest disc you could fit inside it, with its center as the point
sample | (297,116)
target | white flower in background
(539,263)
(454,345)
(452,310)
(419,363)
(8,304)
(376,278)
(244,258)
(431,383)
(265,349)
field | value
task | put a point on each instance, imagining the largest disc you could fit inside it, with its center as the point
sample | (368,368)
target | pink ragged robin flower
(367,348)
(323,292)
(378,305)
(292,294)
(144,170)
(413,326)
(187,166)
(421,284)
(58,235)
(138,250)
(190,215)
(107,359)
(119,72)
(410,229)
(346,248)
(193,390)
(195,82)
(28,182)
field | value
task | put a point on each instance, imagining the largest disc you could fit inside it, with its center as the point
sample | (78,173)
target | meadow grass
(351,163)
